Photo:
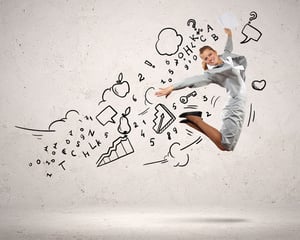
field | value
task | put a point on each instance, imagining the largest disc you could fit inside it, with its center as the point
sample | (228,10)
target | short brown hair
(201,50)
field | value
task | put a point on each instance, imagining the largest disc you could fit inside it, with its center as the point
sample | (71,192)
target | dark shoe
(185,121)
(191,124)
(197,114)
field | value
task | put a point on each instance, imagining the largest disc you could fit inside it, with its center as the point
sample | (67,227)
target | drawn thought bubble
(168,42)
(71,115)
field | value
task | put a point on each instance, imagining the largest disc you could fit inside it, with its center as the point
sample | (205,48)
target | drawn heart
(259,84)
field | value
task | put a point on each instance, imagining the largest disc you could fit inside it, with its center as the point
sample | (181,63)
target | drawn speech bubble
(251,33)
(106,115)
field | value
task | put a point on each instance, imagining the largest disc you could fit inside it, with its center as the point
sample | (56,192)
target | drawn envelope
(163,118)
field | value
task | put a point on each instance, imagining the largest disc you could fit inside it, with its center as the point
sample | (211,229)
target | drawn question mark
(193,22)
(253,15)
(250,32)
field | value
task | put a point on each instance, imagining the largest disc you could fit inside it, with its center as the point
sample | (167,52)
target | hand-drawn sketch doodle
(259,85)
(214,100)
(208,114)
(185,99)
(193,23)
(103,95)
(188,50)
(198,140)
(124,126)
(175,156)
(134,98)
(185,54)
(251,115)
(74,139)
(163,118)
(191,106)
(200,30)
(250,32)
(84,138)
(174,106)
(158,161)
(168,42)
(144,112)
(63,120)
(106,115)
(149,63)
(51,127)
(121,88)
(121,147)
(146,101)
(189,132)
(38,136)
(185,164)
(141,77)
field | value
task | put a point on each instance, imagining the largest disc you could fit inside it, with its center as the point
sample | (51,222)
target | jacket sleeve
(229,46)
(193,82)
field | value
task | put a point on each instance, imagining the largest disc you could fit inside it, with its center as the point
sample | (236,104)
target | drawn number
(152,141)
(141,77)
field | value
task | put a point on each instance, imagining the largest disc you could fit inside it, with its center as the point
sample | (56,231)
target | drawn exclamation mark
(149,64)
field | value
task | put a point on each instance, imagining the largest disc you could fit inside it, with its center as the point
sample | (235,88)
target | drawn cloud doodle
(175,156)
(168,42)
(71,114)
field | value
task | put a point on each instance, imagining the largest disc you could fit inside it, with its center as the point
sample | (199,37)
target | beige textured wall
(58,56)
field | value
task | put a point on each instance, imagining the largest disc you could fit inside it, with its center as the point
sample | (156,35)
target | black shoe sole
(197,114)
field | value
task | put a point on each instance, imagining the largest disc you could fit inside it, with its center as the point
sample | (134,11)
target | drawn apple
(121,89)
